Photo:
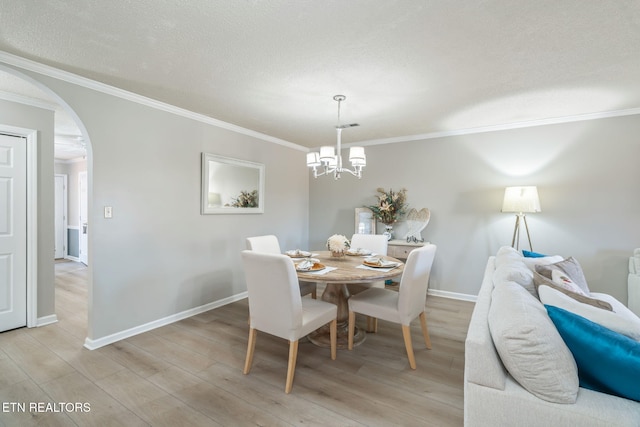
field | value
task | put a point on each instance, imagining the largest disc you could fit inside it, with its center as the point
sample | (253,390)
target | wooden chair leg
(314,294)
(375,325)
(291,368)
(352,328)
(251,346)
(333,331)
(425,330)
(406,333)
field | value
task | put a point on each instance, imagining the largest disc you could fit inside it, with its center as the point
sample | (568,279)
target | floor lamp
(521,201)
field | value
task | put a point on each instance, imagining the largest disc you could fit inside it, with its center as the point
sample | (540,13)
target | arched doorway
(72,143)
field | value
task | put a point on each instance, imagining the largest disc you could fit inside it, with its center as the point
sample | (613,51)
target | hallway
(72,298)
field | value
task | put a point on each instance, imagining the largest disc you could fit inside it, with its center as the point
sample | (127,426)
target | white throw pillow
(530,346)
(621,319)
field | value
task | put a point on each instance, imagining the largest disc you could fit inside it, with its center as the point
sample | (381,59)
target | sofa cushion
(529,345)
(607,361)
(540,280)
(517,272)
(482,363)
(571,267)
(620,320)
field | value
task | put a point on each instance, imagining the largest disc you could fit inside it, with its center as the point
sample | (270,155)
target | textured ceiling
(407,67)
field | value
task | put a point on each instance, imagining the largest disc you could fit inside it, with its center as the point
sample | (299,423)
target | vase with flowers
(338,244)
(391,206)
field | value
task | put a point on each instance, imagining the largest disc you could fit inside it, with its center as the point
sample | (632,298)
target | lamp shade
(313,159)
(521,200)
(356,153)
(326,153)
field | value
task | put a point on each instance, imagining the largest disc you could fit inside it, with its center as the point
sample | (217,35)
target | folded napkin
(385,270)
(305,265)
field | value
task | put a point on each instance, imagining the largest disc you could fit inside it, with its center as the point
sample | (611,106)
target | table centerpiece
(338,244)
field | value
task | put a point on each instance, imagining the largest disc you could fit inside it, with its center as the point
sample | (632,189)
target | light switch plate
(108,212)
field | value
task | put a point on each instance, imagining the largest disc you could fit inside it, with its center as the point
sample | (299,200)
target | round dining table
(336,291)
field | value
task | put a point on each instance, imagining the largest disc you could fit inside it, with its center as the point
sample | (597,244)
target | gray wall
(73,242)
(587,176)
(42,120)
(158,256)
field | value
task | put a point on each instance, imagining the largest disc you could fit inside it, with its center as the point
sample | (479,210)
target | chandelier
(329,160)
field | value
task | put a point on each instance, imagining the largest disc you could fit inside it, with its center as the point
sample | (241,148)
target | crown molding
(501,127)
(66,76)
(27,64)
(26,100)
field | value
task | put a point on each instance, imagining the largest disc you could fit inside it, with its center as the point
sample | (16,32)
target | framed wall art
(231,186)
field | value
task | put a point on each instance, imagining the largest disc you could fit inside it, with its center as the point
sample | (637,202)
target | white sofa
(492,397)
(634,282)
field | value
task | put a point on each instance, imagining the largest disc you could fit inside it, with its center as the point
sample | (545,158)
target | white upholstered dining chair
(378,244)
(276,307)
(402,306)
(269,244)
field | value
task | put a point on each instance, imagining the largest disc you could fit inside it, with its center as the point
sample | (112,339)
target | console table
(401,248)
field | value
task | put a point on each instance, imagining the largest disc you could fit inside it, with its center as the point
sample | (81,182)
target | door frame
(83,238)
(65,243)
(31,136)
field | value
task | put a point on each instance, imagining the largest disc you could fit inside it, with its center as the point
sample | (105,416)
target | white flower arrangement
(338,243)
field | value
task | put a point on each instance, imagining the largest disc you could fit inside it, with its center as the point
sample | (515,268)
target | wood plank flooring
(190,373)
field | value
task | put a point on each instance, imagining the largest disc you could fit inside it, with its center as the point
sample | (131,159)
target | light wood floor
(190,373)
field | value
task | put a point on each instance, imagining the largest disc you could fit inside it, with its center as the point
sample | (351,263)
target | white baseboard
(110,339)
(452,295)
(46,320)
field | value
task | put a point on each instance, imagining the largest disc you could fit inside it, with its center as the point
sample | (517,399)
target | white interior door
(84,229)
(13,232)
(60,216)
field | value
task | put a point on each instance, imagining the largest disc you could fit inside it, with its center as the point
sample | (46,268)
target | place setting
(297,253)
(378,263)
(358,252)
(304,262)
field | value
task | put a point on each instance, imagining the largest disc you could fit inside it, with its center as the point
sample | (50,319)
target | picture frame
(365,221)
(231,186)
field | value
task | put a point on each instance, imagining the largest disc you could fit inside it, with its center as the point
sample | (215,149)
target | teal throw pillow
(529,254)
(607,361)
